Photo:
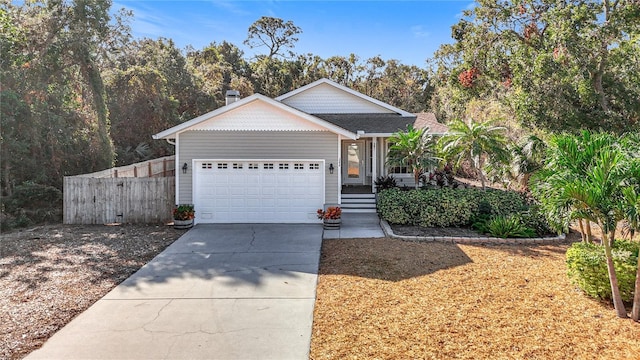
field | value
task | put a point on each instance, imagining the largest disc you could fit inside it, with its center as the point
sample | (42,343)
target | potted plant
(183,216)
(331,218)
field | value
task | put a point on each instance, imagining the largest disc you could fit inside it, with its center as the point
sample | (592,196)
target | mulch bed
(390,299)
(424,231)
(50,274)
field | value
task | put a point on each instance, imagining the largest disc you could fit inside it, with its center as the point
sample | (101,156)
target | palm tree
(415,149)
(476,143)
(585,177)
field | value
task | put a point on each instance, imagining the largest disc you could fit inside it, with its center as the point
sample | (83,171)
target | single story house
(263,160)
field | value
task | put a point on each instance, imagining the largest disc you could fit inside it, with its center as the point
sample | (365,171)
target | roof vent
(232,96)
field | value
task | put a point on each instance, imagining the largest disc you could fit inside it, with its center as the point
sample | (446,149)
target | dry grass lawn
(390,299)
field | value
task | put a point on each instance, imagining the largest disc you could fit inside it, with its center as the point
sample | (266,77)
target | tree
(53,98)
(588,176)
(476,143)
(415,149)
(566,65)
(274,33)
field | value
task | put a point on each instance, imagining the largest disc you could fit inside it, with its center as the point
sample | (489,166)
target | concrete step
(348,205)
(350,211)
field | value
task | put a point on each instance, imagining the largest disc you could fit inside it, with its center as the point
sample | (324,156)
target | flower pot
(182,224)
(331,224)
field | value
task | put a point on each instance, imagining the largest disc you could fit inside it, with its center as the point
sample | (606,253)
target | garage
(258,191)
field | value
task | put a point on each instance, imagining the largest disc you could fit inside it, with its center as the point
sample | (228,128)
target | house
(263,160)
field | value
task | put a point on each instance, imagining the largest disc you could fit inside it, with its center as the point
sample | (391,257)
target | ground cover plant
(390,299)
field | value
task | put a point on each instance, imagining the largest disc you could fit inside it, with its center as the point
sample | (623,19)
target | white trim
(374,163)
(339,169)
(176,130)
(346,89)
(177,170)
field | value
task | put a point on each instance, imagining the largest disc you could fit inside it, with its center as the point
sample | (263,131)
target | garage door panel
(248,191)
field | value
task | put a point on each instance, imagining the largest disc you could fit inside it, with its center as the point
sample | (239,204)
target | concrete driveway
(242,291)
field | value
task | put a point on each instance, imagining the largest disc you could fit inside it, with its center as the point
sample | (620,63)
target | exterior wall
(326,99)
(257,145)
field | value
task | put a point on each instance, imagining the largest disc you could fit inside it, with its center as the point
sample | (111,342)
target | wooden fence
(161,167)
(100,199)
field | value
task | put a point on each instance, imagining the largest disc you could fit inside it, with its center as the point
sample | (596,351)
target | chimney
(232,96)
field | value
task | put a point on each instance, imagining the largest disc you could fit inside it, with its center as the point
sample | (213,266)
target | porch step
(358,203)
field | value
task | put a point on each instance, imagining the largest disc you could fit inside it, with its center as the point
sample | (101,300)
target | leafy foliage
(565,65)
(385,182)
(476,143)
(587,268)
(508,227)
(414,149)
(445,207)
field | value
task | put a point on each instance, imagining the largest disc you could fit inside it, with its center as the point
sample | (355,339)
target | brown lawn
(390,299)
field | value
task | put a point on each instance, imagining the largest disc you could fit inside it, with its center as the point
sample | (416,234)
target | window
(267,166)
(314,166)
(298,166)
(253,166)
(283,166)
(398,169)
(237,165)
(207,165)
(222,165)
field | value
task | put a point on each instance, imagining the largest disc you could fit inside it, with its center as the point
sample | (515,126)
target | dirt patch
(50,274)
(390,299)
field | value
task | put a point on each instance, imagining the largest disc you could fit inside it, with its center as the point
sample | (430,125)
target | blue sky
(409,31)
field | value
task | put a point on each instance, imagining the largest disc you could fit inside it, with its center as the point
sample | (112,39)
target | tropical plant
(385,182)
(586,177)
(476,143)
(415,149)
(508,227)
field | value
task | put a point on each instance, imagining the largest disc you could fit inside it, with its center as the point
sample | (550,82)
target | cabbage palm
(476,143)
(415,149)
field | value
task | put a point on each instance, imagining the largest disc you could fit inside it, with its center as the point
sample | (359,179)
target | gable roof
(429,120)
(198,123)
(327,82)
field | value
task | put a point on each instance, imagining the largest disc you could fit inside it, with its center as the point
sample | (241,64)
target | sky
(408,31)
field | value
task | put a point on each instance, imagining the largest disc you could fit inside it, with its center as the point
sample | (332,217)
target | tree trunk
(588,227)
(613,278)
(635,312)
(416,177)
(582,233)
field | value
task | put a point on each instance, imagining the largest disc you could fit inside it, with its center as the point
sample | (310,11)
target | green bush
(446,207)
(509,227)
(31,203)
(587,268)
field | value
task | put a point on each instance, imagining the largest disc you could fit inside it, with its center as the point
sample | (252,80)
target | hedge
(587,268)
(445,207)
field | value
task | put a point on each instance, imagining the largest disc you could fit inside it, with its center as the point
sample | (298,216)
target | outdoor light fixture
(331,168)
(184,168)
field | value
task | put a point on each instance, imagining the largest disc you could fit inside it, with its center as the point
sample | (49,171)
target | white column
(339,169)
(374,163)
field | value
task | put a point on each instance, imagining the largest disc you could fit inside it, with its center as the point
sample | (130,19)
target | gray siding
(258,145)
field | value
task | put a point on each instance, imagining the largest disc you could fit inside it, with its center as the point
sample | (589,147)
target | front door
(353,164)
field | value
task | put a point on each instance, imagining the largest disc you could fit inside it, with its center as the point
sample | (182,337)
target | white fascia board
(346,89)
(174,131)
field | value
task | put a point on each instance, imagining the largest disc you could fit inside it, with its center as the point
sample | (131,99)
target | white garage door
(258,191)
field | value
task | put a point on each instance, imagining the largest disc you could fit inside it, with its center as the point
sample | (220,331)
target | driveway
(241,291)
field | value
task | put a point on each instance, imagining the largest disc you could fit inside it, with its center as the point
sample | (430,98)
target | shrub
(534,219)
(386,182)
(31,203)
(446,207)
(587,268)
(508,227)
